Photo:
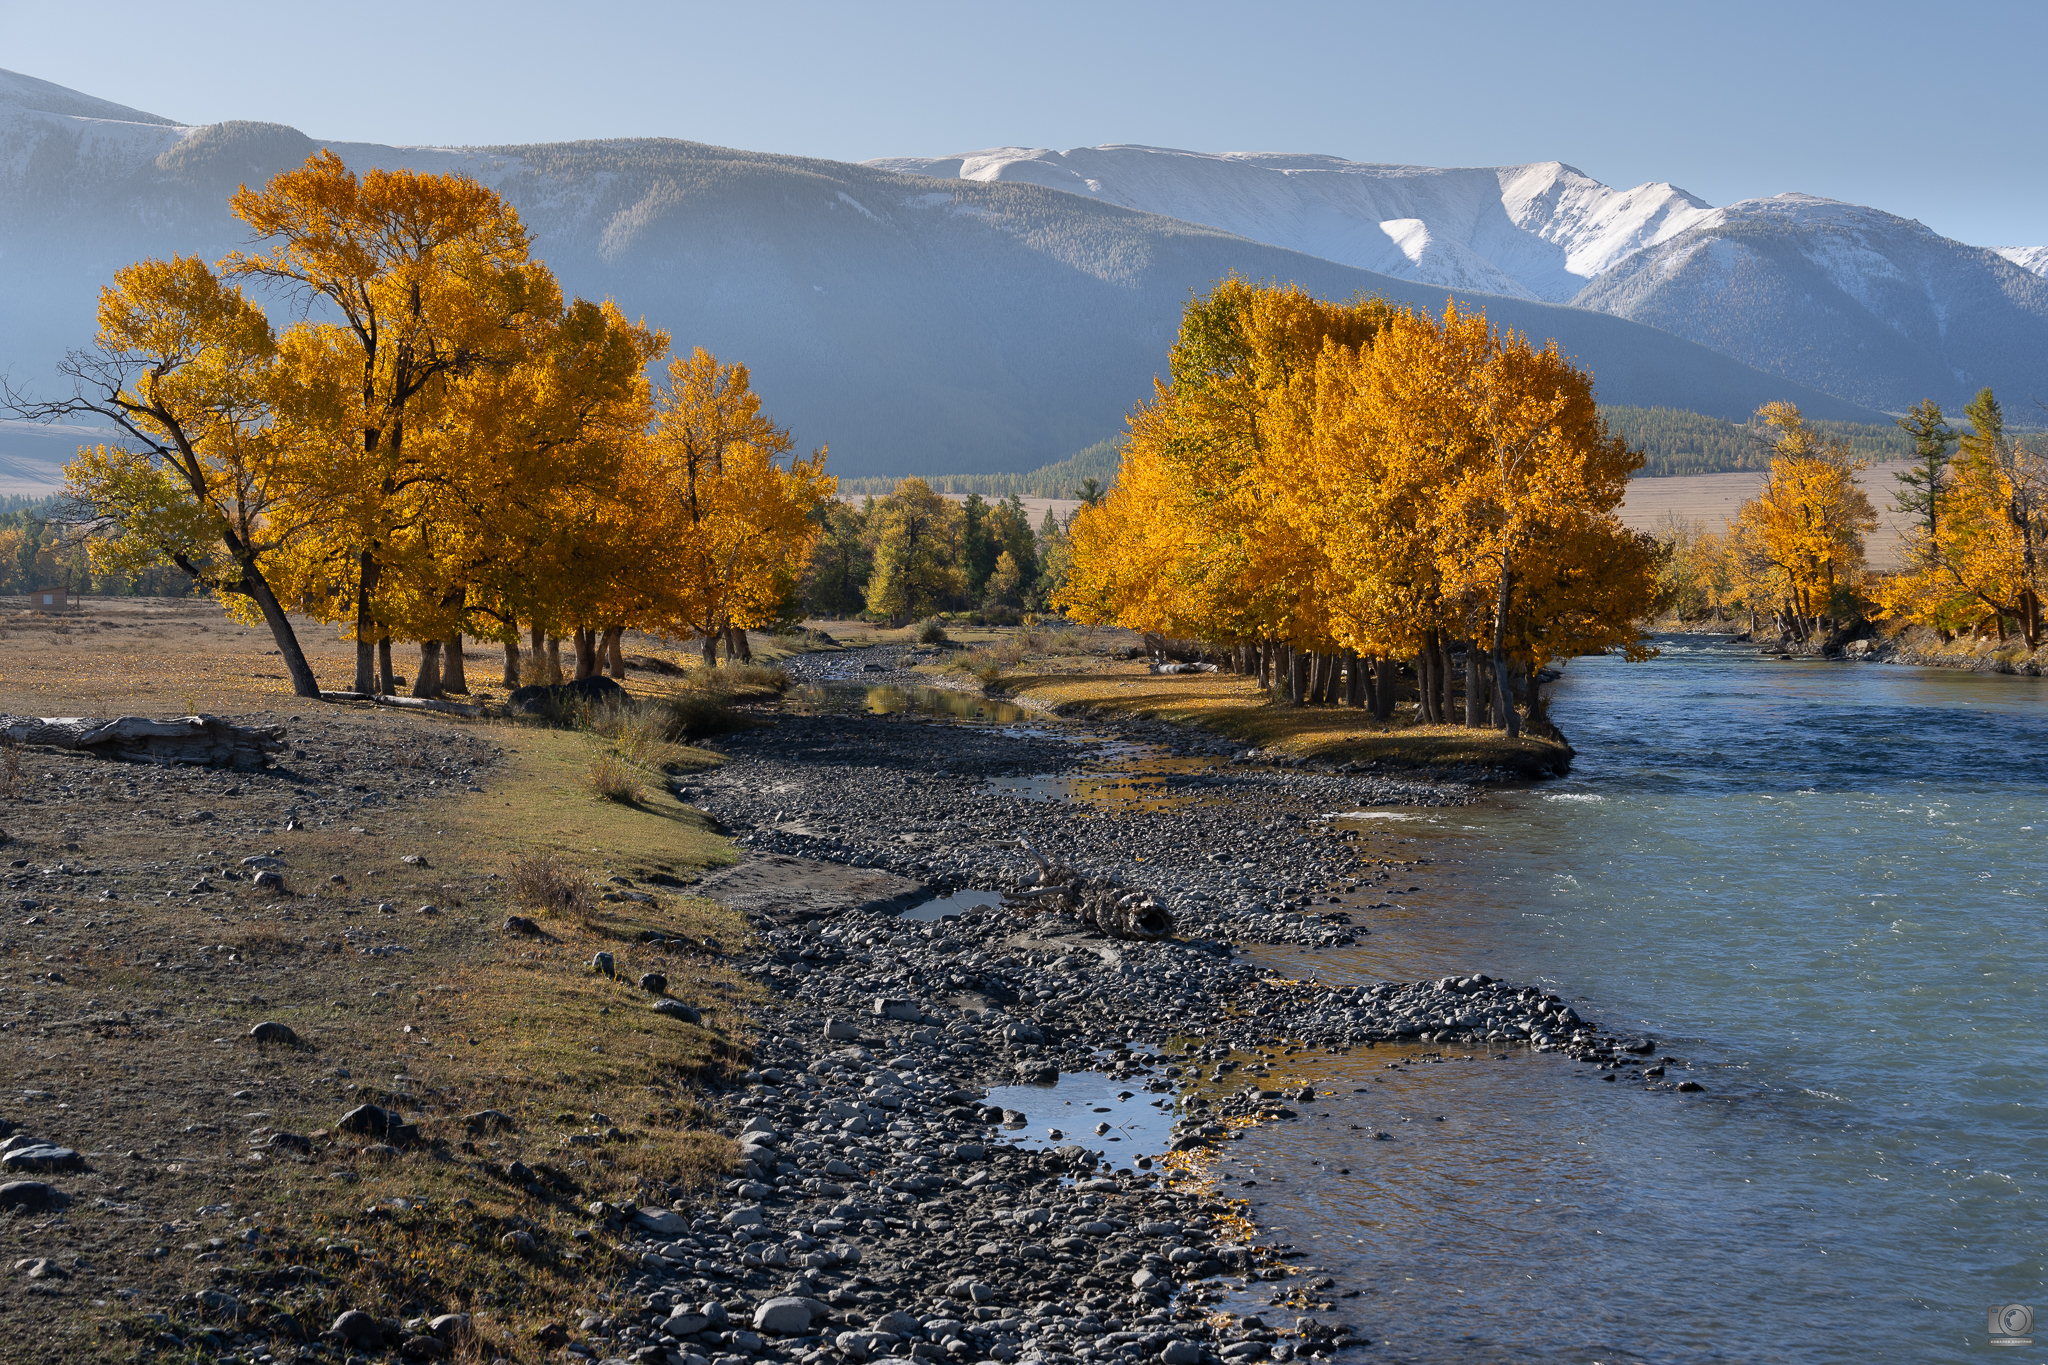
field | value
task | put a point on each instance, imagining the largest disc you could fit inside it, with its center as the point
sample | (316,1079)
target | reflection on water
(953,905)
(1121,776)
(1818,885)
(1137,1124)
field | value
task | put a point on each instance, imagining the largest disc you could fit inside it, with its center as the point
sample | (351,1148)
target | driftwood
(1117,910)
(453,708)
(206,740)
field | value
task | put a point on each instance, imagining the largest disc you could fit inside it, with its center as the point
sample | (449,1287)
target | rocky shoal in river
(880,1210)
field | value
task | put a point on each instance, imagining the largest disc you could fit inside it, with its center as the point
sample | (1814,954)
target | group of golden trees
(916,552)
(1976,551)
(1977,556)
(1321,490)
(441,445)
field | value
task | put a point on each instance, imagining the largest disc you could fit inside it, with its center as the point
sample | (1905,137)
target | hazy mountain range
(1856,302)
(913,323)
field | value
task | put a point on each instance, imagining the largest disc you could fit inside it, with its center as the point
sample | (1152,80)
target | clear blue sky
(1934,111)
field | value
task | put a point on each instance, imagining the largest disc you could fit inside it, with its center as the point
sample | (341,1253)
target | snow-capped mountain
(1854,301)
(2034,258)
(1539,231)
(912,323)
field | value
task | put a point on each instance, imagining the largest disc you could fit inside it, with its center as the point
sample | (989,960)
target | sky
(1931,111)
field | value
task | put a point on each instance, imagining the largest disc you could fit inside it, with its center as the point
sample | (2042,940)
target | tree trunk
(586,652)
(295,665)
(428,683)
(609,654)
(1264,652)
(1475,695)
(1297,675)
(454,677)
(1380,687)
(386,684)
(366,626)
(554,660)
(512,661)
(711,649)
(736,643)
(1425,681)
(1354,680)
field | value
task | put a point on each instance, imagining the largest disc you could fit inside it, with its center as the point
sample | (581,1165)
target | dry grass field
(1713,499)
(137,953)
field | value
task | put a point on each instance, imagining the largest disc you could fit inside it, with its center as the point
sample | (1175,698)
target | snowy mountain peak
(1540,230)
(2034,258)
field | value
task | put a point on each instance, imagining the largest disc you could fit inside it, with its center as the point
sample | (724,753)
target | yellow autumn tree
(1797,546)
(428,275)
(730,520)
(1353,482)
(188,368)
(1982,563)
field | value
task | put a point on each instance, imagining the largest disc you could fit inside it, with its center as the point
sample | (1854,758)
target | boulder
(41,1158)
(553,699)
(786,1317)
(270,1031)
(676,1009)
(32,1196)
(359,1329)
(663,1222)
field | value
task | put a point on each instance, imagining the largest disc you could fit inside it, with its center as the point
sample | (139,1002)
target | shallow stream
(1823,881)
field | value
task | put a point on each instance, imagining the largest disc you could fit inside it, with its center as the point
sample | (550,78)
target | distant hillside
(909,323)
(1676,442)
(1679,442)
(1058,480)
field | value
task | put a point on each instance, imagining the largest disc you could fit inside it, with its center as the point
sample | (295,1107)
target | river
(1820,888)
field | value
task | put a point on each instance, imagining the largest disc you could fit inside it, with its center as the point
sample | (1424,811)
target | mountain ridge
(1907,313)
(909,322)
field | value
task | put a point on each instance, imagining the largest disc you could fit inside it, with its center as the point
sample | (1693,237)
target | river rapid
(1820,888)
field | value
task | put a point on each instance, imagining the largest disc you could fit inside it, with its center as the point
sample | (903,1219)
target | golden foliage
(1356,477)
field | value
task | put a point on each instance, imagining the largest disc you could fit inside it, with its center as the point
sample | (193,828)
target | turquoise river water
(1821,888)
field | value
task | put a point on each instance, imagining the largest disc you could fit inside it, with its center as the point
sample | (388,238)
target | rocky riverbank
(880,1210)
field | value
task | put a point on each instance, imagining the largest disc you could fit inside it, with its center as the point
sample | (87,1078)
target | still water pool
(1820,885)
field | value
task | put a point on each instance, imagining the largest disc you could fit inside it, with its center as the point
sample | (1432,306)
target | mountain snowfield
(2034,258)
(1534,232)
(1853,301)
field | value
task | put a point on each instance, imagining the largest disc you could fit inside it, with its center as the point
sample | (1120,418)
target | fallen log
(205,740)
(1100,902)
(453,708)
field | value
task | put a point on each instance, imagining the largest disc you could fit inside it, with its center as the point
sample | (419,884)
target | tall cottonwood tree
(188,369)
(429,274)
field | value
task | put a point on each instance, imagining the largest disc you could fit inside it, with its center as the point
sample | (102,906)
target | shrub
(931,633)
(612,778)
(543,884)
(689,714)
(983,665)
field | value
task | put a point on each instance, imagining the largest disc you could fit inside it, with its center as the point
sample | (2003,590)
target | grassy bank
(535,1084)
(1072,678)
